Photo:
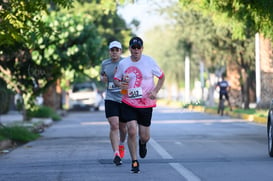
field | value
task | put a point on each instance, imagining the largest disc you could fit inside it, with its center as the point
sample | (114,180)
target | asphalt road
(184,145)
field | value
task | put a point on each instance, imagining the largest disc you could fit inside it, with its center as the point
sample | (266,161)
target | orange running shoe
(121,151)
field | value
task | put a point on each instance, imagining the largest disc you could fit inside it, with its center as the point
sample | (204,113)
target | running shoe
(142,149)
(135,167)
(121,150)
(117,160)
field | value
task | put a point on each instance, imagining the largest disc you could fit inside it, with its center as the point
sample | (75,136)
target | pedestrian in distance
(136,75)
(224,89)
(112,102)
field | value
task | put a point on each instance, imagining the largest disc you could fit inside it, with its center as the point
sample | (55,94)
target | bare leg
(219,105)
(132,135)
(229,105)
(122,131)
(114,132)
(144,134)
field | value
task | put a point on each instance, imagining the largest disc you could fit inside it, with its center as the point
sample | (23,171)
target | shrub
(18,134)
(4,100)
(43,112)
(2,138)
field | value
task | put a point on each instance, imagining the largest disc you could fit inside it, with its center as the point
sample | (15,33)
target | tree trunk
(53,96)
(245,89)
(233,76)
(266,64)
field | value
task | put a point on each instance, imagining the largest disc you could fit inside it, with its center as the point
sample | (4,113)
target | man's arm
(117,82)
(158,86)
(103,77)
(121,84)
(216,85)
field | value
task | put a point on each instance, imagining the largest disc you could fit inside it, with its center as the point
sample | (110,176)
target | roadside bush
(4,100)
(44,112)
(194,103)
(2,138)
(18,134)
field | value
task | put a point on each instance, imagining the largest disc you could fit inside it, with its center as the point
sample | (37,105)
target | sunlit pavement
(184,145)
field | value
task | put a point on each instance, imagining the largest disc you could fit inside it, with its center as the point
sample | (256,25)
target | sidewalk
(15,117)
(11,117)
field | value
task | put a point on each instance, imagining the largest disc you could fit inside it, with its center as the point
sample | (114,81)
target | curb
(5,144)
(36,124)
(248,117)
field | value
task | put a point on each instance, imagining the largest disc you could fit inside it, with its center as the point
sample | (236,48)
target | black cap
(136,41)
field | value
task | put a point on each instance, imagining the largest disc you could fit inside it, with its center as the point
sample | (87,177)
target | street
(184,146)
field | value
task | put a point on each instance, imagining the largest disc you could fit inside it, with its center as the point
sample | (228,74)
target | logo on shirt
(137,73)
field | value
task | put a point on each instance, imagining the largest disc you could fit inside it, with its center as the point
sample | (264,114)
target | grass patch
(262,113)
(256,112)
(18,134)
(44,112)
(245,111)
(169,103)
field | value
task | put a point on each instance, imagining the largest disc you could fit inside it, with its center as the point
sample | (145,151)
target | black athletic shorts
(223,94)
(142,115)
(113,108)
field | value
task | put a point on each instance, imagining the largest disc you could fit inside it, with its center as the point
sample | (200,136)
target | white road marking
(197,121)
(187,174)
(161,151)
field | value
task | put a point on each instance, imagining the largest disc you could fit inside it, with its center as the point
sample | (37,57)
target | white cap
(115,44)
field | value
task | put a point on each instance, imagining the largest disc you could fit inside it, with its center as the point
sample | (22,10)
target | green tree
(19,16)
(242,16)
(106,19)
(243,19)
(197,35)
(215,46)
(73,45)
(38,49)
(17,19)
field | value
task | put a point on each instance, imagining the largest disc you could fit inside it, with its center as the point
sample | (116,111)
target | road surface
(184,146)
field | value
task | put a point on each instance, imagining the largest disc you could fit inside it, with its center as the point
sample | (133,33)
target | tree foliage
(72,45)
(19,16)
(242,19)
(39,45)
(104,16)
(242,16)
(196,34)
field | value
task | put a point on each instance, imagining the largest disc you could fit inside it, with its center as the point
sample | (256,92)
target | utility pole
(202,79)
(258,68)
(187,79)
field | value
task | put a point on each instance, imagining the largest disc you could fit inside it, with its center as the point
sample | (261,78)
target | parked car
(85,95)
(270,129)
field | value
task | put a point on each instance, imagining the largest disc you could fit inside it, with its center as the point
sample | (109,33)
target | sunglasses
(136,47)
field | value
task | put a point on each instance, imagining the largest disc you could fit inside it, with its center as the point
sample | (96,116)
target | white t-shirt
(141,80)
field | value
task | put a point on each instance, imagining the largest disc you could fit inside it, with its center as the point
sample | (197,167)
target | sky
(144,11)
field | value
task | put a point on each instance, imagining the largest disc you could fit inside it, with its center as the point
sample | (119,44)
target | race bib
(135,93)
(111,85)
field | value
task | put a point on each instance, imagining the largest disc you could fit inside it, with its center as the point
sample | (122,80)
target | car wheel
(270,136)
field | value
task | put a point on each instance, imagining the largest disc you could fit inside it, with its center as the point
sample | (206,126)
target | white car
(84,95)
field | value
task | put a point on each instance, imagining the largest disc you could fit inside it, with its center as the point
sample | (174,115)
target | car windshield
(83,88)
